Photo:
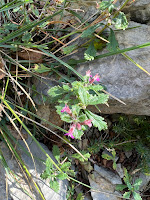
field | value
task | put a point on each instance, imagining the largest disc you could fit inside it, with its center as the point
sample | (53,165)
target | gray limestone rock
(102,189)
(121,77)
(18,191)
(108,175)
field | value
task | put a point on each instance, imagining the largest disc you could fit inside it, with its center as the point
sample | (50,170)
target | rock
(121,77)
(16,190)
(105,190)
(48,112)
(119,170)
(46,109)
(139,11)
(108,175)
(145,181)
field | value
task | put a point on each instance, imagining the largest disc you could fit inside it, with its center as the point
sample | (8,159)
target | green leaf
(84,153)
(26,37)
(11,26)
(76,110)
(55,91)
(91,51)
(120,187)
(66,87)
(89,31)
(49,166)
(137,196)
(62,176)
(25,28)
(88,57)
(137,183)
(127,195)
(80,196)
(112,46)
(44,175)
(82,93)
(97,121)
(54,185)
(82,118)
(95,87)
(107,157)
(105,4)
(66,118)
(40,68)
(65,166)
(121,21)
(114,165)
(56,152)
(69,49)
(97,99)
(78,134)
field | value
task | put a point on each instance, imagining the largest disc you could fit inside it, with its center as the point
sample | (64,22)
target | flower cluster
(75,124)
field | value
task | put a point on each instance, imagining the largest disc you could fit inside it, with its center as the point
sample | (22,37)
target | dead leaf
(2,69)
(34,57)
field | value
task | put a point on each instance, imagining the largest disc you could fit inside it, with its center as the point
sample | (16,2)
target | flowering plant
(73,101)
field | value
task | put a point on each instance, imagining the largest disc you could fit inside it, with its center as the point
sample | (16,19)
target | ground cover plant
(34,41)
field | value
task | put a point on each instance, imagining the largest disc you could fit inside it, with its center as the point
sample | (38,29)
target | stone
(138,11)
(17,191)
(145,181)
(108,175)
(119,170)
(121,77)
(101,188)
(45,108)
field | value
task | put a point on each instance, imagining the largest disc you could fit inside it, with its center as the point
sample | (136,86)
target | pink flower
(71,130)
(95,78)
(87,122)
(78,126)
(88,73)
(66,109)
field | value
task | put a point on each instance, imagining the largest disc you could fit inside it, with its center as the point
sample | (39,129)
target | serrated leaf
(65,166)
(91,51)
(136,196)
(40,68)
(76,110)
(69,49)
(95,87)
(54,185)
(49,166)
(121,21)
(97,99)
(56,152)
(62,176)
(97,121)
(105,4)
(112,46)
(89,31)
(137,183)
(84,153)
(78,134)
(127,195)
(66,118)
(120,187)
(44,175)
(82,93)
